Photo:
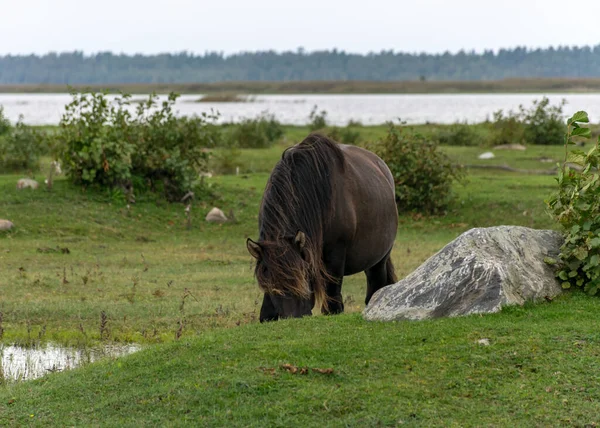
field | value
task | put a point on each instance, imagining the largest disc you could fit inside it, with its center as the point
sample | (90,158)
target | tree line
(106,67)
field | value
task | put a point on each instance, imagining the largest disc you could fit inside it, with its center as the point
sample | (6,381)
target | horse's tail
(391,272)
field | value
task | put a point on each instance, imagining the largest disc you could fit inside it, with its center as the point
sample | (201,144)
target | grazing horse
(328,210)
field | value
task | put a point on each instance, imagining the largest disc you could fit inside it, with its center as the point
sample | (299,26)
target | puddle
(19,363)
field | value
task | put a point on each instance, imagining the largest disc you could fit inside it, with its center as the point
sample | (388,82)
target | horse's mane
(298,197)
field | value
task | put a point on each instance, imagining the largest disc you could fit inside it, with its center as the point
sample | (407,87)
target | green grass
(151,275)
(540,369)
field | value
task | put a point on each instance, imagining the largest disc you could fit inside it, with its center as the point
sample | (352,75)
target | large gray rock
(479,272)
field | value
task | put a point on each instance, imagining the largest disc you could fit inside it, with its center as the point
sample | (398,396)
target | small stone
(216,216)
(486,155)
(6,224)
(27,183)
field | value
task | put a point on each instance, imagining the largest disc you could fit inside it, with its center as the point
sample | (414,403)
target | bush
(170,152)
(345,135)
(4,122)
(460,134)
(540,124)
(226,159)
(507,129)
(576,206)
(423,175)
(317,120)
(544,124)
(21,148)
(257,133)
(96,139)
(103,144)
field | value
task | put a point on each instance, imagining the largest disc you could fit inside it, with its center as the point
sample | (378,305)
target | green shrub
(423,175)
(507,129)
(104,144)
(96,139)
(21,148)
(226,159)
(170,152)
(317,120)
(460,134)
(576,206)
(257,133)
(354,123)
(4,122)
(344,135)
(540,124)
(544,124)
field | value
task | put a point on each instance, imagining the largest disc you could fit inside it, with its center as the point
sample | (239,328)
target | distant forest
(78,68)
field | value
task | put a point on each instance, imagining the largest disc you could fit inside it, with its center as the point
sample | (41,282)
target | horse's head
(285,272)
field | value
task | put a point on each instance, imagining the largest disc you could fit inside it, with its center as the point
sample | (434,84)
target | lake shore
(517,85)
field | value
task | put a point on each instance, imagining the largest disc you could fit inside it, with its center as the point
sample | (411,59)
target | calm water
(46,109)
(18,363)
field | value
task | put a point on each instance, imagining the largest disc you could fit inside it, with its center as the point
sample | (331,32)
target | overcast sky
(230,26)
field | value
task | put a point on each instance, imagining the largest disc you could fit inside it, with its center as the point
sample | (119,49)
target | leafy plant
(345,135)
(4,122)
(97,139)
(423,175)
(507,129)
(104,144)
(460,134)
(543,123)
(576,206)
(260,132)
(317,120)
(171,152)
(21,148)
(227,159)
(540,124)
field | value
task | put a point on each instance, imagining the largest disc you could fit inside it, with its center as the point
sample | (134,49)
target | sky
(231,26)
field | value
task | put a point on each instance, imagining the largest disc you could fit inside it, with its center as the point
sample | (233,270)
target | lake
(24,363)
(46,109)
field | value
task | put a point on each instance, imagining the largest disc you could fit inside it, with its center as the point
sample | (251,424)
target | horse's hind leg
(379,276)
(335,302)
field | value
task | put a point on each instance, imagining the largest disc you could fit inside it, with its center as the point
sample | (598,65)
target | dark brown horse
(328,210)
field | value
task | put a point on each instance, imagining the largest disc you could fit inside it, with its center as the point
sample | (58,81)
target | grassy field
(150,274)
(334,87)
(156,280)
(540,369)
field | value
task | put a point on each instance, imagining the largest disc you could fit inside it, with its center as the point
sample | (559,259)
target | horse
(328,210)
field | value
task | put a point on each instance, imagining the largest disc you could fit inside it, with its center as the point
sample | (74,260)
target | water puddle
(20,363)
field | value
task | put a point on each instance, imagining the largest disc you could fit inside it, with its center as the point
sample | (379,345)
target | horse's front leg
(335,263)
(268,311)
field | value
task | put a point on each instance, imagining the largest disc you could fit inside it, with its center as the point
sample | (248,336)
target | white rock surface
(6,225)
(486,155)
(27,183)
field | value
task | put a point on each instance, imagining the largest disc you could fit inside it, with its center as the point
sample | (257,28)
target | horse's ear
(254,249)
(300,240)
